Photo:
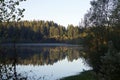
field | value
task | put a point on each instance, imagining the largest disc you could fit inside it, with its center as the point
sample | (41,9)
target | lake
(45,61)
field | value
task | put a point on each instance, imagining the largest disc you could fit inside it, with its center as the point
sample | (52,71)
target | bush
(110,68)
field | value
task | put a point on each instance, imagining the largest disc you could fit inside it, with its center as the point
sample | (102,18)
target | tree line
(38,31)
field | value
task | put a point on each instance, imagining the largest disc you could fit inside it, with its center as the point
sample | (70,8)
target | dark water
(45,61)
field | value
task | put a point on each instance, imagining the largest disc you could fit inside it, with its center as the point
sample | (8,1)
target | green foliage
(9,12)
(73,32)
(110,68)
(105,64)
(87,75)
(102,25)
(37,31)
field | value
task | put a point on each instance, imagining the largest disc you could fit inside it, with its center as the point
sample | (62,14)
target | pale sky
(63,12)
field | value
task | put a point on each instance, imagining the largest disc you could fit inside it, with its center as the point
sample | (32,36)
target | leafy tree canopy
(9,10)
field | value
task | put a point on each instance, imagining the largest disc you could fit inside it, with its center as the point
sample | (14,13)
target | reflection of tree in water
(52,55)
(10,57)
(8,70)
(47,55)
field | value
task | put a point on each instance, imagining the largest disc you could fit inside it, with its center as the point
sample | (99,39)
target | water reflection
(44,62)
(8,69)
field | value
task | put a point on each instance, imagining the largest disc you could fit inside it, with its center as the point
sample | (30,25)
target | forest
(38,31)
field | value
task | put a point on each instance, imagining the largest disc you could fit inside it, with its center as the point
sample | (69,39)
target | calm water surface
(47,61)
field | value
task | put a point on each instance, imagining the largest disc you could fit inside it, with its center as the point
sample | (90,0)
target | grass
(86,75)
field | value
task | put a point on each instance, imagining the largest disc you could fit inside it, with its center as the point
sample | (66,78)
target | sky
(63,12)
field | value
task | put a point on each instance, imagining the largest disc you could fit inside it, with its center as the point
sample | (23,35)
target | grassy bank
(87,75)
